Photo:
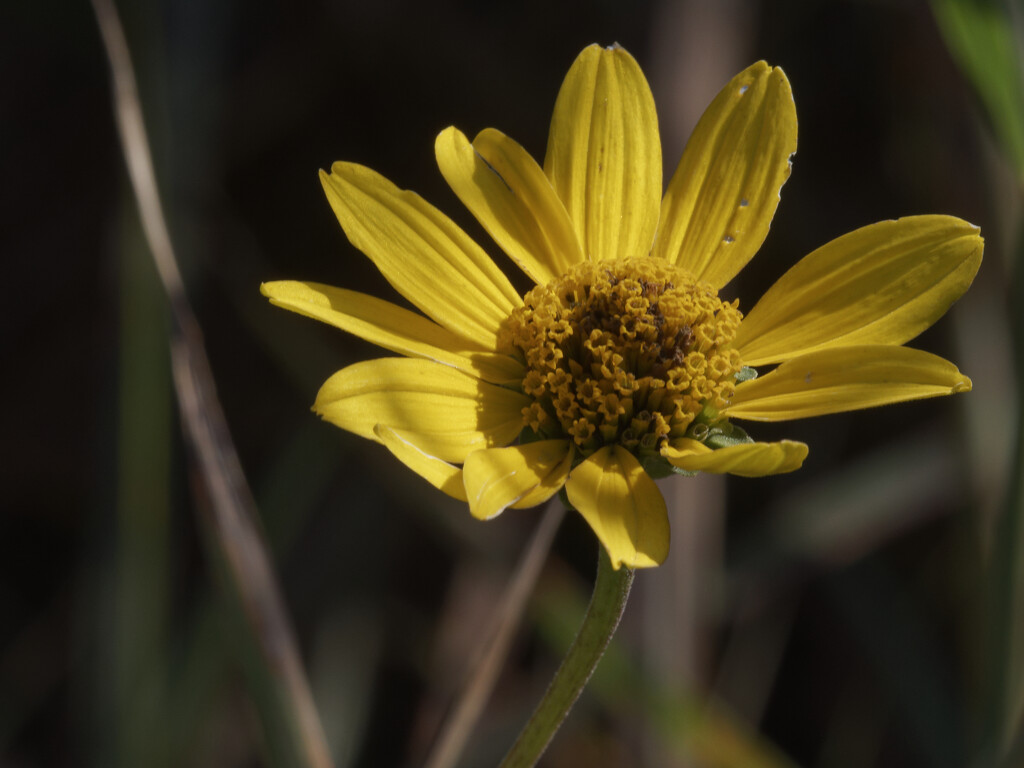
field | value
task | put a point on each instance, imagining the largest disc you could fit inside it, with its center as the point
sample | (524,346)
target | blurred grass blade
(986,38)
(235,534)
(1004,717)
(689,726)
(484,673)
(981,36)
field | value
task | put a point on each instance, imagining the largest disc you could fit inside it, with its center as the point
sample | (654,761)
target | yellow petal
(392,327)
(405,447)
(845,379)
(604,154)
(501,477)
(451,413)
(723,195)
(881,284)
(508,193)
(744,459)
(426,257)
(623,505)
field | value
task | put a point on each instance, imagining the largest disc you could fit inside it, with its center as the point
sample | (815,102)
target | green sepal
(684,472)
(659,467)
(656,465)
(724,434)
(746,374)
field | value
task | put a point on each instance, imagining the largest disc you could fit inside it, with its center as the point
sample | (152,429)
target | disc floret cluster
(628,352)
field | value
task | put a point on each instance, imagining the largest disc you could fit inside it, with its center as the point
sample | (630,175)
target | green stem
(611,590)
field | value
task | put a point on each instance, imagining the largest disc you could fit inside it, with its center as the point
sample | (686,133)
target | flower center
(631,352)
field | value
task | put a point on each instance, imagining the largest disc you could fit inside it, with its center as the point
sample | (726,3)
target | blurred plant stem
(235,537)
(139,642)
(611,590)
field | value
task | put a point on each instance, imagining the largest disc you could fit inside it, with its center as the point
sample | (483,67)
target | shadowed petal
(518,476)
(623,505)
(405,447)
(744,459)
(451,413)
(508,193)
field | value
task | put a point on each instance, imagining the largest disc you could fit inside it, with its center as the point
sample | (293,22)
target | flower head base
(626,353)
(622,364)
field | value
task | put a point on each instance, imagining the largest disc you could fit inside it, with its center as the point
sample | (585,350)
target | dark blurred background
(845,615)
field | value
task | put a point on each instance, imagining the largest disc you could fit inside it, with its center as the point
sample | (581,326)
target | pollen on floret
(623,352)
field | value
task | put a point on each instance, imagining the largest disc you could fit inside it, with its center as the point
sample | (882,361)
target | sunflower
(623,364)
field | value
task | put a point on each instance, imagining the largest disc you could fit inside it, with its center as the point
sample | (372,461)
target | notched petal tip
(963,386)
(753,72)
(450,136)
(340,167)
(286,293)
(778,76)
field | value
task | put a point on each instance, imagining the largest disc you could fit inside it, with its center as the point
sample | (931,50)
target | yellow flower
(622,363)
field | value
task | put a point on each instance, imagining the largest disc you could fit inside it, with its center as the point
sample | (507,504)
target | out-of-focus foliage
(986,38)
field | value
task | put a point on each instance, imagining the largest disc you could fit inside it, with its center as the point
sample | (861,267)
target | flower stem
(611,590)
